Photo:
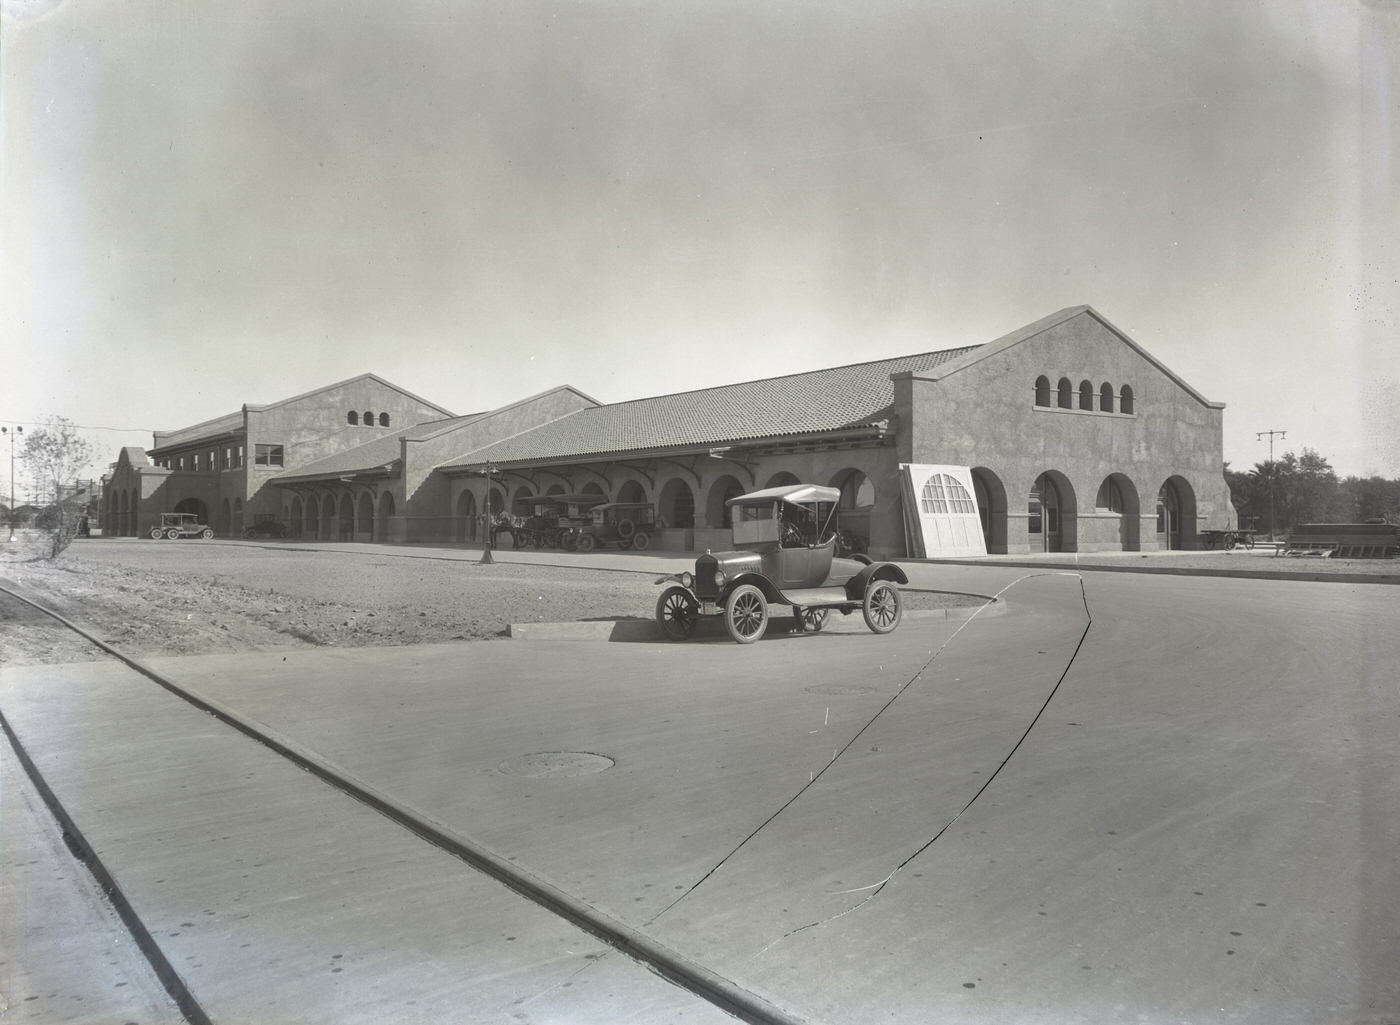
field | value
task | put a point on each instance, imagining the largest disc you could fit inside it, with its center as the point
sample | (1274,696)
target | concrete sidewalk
(808,815)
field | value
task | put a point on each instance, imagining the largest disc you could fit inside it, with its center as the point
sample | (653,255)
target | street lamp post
(11,516)
(486,559)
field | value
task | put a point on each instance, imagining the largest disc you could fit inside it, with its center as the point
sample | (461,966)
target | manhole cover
(556,764)
(840,688)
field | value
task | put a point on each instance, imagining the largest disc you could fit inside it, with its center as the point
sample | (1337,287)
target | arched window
(1042,390)
(1086,395)
(1106,397)
(1066,394)
(369,418)
(1109,496)
(945,494)
(1125,401)
(352,418)
(383,419)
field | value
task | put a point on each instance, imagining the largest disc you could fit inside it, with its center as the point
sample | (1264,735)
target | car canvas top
(795,493)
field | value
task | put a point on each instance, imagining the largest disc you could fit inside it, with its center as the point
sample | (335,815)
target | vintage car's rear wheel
(173,534)
(883,607)
(677,612)
(746,613)
(641,541)
(587,542)
(811,620)
(207,533)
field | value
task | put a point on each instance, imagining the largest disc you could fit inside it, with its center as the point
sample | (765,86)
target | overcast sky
(204,205)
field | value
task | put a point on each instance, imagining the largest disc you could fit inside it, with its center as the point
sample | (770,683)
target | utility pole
(11,516)
(1273,471)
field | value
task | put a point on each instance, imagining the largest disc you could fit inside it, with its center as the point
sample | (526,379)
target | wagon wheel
(677,612)
(172,534)
(1229,541)
(641,541)
(811,620)
(883,607)
(157,533)
(746,614)
(1247,540)
(587,542)
(207,533)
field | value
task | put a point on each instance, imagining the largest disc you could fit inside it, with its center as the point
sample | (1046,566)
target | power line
(84,427)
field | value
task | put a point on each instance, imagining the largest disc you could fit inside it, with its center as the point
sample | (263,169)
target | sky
(206,205)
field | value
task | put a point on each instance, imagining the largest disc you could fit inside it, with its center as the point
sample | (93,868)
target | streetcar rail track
(658,958)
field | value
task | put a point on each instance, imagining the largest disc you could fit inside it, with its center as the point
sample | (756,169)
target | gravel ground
(161,598)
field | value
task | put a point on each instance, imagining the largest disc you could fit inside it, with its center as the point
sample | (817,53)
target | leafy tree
(54,455)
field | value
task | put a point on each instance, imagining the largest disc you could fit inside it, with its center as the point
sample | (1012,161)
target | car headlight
(719,578)
(688,581)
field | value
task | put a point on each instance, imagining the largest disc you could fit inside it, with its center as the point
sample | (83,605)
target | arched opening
(1086,395)
(631,491)
(1118,497)
(1052,519)
(381,523)
(1042,390)
(383,419)
(352,418)
(1066,394)
(1125,399)
(1176,515)
(294,517)
(855,506)
(193,505)
(346,526)
(1106,397)
(364,518)
(369,418)
(717,513)
(677,504)
(312,527)
(990,494)
(782,480)
(466,528)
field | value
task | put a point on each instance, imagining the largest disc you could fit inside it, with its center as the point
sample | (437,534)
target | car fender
(856,586)
(769,589)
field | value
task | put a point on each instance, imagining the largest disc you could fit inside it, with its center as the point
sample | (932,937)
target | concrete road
(1129,798)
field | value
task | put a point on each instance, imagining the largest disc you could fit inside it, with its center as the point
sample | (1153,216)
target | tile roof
(797,404)
(371,455)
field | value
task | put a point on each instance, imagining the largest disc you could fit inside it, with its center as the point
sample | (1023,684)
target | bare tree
(54,455)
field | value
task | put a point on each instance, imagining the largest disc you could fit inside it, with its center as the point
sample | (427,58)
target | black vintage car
(785,554)
(625,524)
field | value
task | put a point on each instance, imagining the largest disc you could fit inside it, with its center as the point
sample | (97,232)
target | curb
(645,629)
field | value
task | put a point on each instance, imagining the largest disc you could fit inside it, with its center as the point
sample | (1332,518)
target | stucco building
(220,469)
(1078,439)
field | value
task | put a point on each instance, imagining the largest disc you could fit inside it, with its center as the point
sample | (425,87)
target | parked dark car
(266,528)
(785,554)
(625,524)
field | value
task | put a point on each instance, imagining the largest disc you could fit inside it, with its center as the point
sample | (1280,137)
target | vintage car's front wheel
(677,612)
(207,533)
(641,541)
(883,607)
(746,613)
(172,534)
(587,542)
